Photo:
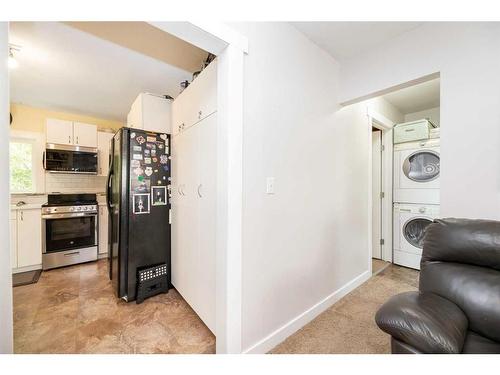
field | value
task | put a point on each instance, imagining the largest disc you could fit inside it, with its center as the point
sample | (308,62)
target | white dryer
(416,172)
(410,222)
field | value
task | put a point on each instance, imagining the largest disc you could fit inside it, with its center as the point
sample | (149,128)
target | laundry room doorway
(377,193)
(380,190)
(405,171)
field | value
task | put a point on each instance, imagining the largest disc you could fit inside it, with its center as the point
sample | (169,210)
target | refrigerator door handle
(108,186)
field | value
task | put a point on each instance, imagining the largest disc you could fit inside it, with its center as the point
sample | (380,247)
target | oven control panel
(90,208)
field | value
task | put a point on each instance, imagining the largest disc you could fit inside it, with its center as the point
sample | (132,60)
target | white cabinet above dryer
(63,132)
(197,101)
(152,113)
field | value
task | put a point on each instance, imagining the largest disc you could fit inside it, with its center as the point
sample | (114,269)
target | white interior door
(376,194)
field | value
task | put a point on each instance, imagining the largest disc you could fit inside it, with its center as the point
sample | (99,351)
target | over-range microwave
(70,159)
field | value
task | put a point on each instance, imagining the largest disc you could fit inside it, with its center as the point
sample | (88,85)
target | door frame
(384,124)
(230,48)
(6,305)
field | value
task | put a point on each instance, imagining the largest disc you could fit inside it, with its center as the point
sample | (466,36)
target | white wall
(310,238)
(5,272)
(432,114)
(467,55)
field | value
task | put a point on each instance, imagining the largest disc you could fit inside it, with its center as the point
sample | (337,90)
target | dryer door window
(414,231)
(422,166)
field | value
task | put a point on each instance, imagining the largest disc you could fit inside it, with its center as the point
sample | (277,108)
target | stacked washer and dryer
(416,188)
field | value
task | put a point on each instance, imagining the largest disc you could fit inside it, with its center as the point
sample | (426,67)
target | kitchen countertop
(28,206)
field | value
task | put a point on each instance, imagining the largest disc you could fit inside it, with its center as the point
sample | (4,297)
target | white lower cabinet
(103,229)
(26,239)
(194,177)
(13,238)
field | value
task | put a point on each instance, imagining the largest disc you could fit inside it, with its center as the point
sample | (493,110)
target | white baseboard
(278,336)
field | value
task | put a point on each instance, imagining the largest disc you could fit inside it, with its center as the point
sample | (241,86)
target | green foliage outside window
(21,167)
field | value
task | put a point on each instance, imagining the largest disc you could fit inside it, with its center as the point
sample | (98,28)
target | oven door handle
(69,215)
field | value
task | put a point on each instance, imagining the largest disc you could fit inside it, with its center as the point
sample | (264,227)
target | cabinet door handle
(199,114)
(22,215)
(69,138)
(76,139)
(199,191)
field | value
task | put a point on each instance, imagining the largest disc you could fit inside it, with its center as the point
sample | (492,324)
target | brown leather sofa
(457,307)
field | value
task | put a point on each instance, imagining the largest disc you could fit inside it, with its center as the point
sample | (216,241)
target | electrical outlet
(270,185)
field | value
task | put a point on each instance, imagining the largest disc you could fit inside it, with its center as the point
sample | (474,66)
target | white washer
(410,221)
(417,172)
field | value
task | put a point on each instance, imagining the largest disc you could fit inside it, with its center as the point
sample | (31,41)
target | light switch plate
(270,185)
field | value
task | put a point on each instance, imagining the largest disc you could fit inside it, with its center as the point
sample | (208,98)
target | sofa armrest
(425,321)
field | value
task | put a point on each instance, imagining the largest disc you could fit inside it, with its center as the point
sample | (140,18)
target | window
(22,171)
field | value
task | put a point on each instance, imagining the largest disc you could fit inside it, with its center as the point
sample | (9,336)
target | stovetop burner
(55,200)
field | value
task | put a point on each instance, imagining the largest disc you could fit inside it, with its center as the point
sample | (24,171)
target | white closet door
(190,231)
(178,222)
(207,199)
(185,226)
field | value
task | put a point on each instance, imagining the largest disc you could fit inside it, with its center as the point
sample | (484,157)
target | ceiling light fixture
(13,63)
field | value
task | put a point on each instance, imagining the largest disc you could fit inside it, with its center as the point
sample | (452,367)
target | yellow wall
(33,119)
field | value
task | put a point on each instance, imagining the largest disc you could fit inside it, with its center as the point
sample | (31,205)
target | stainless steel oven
(70,159)
(69,234)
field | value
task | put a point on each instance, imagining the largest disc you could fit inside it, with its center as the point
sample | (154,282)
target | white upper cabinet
(152,113)
(197,101)
(64,132)
(59,131)
(103,143)
(84,134)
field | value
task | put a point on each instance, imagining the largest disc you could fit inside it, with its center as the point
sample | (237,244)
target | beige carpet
(349,326)
(378,265)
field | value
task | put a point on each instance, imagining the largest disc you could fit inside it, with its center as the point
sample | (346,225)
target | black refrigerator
(138,202)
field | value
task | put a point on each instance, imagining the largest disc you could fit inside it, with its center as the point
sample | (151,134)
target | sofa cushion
(476,290)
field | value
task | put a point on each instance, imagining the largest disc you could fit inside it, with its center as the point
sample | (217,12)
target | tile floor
(74,310)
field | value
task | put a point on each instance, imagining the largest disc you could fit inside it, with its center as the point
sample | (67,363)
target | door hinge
(382,241)
(382,195)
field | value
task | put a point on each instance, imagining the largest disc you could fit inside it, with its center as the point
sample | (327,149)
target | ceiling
(64,68)
(346,39)
(416,98)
